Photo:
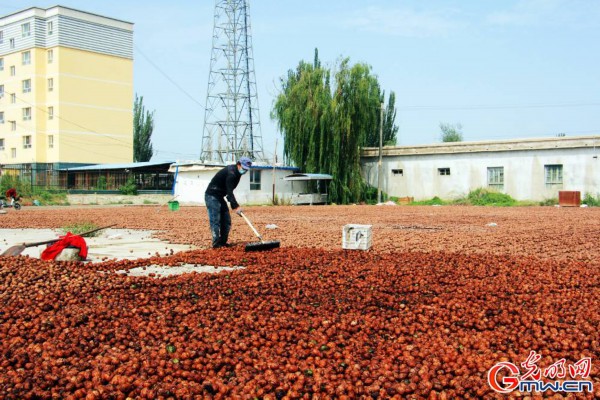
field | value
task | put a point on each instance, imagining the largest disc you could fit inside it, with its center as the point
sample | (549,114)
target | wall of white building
(192,180)
(524,169)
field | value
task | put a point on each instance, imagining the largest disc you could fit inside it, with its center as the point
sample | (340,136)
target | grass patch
(80,227)
(590,200)
(146,201)
(549,202)
(436,201)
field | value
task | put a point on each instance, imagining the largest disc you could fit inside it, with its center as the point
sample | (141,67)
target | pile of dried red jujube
(296,323)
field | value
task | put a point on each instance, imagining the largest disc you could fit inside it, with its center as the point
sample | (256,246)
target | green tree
(390,129)
(143,126)
(451,132)
(325,123)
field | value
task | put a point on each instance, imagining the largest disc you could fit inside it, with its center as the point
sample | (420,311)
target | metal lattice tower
(231,118)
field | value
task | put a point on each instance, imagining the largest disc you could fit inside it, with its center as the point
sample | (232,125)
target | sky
(502,69)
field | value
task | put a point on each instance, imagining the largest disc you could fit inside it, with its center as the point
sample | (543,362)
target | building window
(27,114)
(26,86)
(50,27)
(444,171)
(13,152)
(26,57)
(50,141)
(1,64)
(1,144)
(1,90)
(26,29)
(554,174)
(50,55)
(496,177)
(1,117)
(1,37)
(50,112)
(13,70)
(27,142)
(398,172)
(13,98)
(12,43)
(255,179)
(50,84)
(13,125)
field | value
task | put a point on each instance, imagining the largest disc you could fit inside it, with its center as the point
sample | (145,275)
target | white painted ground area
(160,271)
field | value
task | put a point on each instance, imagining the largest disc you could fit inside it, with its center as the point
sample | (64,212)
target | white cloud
(548,13)
(404,22)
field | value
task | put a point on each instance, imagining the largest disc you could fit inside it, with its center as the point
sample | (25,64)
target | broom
(258,246)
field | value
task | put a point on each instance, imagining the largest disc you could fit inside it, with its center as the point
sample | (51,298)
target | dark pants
(219,218)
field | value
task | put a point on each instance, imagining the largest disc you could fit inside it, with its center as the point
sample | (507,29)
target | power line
(73,123)
(495,107)
(163,73)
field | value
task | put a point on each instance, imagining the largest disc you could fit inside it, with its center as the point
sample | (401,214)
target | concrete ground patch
(110,244)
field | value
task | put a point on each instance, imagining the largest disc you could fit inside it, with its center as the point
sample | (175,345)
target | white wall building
(526,169)
(255,187)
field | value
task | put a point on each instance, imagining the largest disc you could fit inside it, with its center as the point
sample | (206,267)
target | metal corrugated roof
(308,177)
(137,165)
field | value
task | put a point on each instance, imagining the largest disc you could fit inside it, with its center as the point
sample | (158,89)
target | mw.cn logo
(555,375)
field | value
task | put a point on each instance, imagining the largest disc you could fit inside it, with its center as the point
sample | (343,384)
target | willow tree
(325,123)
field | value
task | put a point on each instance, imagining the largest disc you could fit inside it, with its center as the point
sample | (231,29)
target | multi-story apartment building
(66,89)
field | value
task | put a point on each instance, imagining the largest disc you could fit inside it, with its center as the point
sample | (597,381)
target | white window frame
(26,85)
(1,64)
(1,91)
(26,29)
(1,117)
(27,114)
(26,57)
(13,70)
(1,37)
(11,43)
(51,112)
(50,84)
(1,143)
(27,141)
(13,152)
(13,126)
(50,27)
(445,171)
(13,98)
(397,172)
(553,174)
(50,56)
(495,177)
(255,179)
(50,141)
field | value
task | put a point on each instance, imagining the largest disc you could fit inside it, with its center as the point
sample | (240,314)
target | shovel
(18,248)
(258,246)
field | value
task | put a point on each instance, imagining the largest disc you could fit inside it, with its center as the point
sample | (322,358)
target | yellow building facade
(66,89)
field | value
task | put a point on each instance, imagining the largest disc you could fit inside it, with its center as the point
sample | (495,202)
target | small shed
(310,188)
(262,185)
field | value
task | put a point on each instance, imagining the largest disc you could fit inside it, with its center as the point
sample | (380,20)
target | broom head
(261,246)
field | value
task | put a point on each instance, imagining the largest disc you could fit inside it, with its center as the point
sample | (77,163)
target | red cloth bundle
(69,240)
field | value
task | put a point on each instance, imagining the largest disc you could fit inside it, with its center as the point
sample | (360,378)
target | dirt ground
(545,232)
(444,294)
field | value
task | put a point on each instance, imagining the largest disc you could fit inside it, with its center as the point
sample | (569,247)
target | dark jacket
(223,183)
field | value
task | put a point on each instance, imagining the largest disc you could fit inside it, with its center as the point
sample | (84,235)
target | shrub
(130,188)
(590,200)
(488,197)
(436,201)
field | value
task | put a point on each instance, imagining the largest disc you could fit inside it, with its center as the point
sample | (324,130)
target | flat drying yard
(443,295)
